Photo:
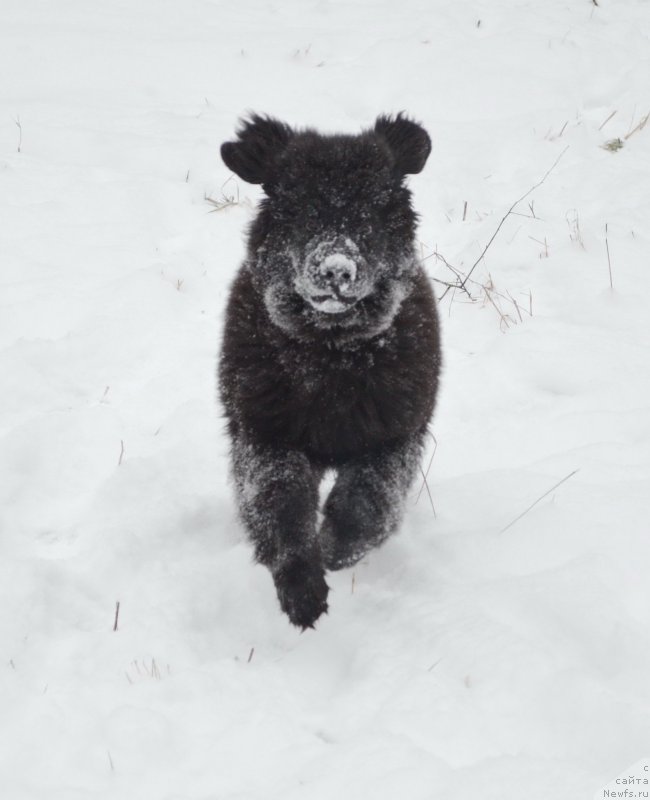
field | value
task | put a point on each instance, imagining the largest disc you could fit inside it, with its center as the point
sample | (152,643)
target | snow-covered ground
(461,661)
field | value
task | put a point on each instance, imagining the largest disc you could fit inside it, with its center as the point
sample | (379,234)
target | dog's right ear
(408,142)
(253,156)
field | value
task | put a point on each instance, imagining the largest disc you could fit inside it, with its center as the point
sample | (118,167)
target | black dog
(331,351)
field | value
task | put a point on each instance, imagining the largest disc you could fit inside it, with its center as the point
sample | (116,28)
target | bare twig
(250,655)
(457,273)
(121,452)
(509,212)
(445,283)
(559,483)
(117,615)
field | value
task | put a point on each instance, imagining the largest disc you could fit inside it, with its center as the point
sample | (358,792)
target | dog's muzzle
(332,280)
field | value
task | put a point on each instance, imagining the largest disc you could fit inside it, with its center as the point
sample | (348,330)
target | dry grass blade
(609,261)
(20,133)
(223,202)
(503,317)
(425,475)
(607,120)
(539,499)
(639,127)
(226,200)
(425,483)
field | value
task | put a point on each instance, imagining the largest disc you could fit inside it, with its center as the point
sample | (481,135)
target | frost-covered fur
(330,355)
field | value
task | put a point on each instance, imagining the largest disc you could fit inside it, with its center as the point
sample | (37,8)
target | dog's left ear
(260,141)
(407,141)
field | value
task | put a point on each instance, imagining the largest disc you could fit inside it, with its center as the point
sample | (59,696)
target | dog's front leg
(367,501)
(277,492)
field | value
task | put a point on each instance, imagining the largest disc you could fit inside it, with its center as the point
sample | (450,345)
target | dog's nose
(338,269)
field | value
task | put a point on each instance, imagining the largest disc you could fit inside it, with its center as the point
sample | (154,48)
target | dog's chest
(343,402)
(327,372)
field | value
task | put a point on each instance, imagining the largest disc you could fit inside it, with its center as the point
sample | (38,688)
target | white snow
(458,661)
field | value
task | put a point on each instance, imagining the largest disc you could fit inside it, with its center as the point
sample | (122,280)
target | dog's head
(332,246)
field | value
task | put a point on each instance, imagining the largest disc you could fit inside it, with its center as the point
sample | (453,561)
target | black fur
(331,353)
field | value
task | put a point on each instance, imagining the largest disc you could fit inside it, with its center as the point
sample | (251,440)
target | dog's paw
(302,591)
(339,551)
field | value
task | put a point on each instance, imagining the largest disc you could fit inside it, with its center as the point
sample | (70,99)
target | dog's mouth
(332,304)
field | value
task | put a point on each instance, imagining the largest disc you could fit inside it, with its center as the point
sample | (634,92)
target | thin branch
(117,615)
(456,272)
(509,212)
(539,499)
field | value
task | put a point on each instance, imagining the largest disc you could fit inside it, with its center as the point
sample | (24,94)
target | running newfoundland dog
(331,353)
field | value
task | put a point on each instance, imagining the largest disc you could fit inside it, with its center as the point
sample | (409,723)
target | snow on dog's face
(331,248)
